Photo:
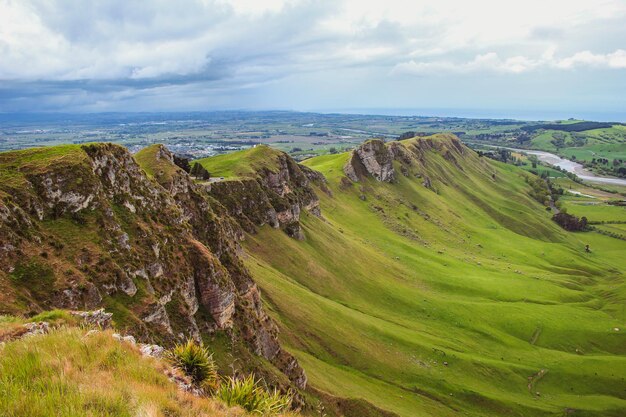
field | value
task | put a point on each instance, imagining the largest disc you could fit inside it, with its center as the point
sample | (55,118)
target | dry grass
(66,373)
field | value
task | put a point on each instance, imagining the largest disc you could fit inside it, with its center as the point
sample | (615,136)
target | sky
(484,57)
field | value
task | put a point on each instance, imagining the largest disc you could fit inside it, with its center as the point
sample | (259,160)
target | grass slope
(67,373)
(244,163)
(466,300)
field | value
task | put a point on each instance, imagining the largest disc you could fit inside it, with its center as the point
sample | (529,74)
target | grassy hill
(244,163)
(458,299)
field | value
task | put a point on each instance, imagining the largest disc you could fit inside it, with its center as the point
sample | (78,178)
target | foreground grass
(67,373)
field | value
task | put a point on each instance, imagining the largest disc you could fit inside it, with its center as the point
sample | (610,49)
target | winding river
(571,166)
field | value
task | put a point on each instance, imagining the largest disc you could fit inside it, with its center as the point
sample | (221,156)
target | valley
(422,300)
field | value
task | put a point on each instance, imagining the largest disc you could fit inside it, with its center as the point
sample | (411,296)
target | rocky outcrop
(97,318)
(275,196)
(375,158)
(93,229)
(371,158)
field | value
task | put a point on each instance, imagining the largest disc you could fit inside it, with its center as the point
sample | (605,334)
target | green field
(599,141)
(587,153)
(461,300)
(594,211)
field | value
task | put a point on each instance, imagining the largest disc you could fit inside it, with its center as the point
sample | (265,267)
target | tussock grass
(249,394)
(197,363)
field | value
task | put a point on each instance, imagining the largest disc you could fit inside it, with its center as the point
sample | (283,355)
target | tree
(533,160)
(505,155)
(200,172)
(194,169)
(407,135)
(183,163)
(333,150)
(570,222)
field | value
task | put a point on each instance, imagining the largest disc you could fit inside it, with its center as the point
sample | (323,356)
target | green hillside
(244,163)
(458,299)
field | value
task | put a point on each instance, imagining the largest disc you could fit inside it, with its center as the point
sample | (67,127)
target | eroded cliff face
(275,197)
(375,158)
(371,158)
(88,228)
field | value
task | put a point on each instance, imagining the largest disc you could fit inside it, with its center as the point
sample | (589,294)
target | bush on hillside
(183,163)
(197,363)
(199,172)
(570,222)
(251,396)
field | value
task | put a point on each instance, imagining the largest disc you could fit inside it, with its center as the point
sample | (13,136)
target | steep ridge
(85,226)
(265,187)
(435,285)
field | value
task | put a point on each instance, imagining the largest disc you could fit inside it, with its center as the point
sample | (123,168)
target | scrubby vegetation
(249,393)
(199,172)
(570,222)
(67,373)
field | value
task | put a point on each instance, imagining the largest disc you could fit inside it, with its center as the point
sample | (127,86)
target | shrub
(570,222)
(196,362)
(250,395)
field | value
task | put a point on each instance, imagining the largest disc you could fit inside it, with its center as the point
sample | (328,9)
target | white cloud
(615,60)
(491,62)
(125,46)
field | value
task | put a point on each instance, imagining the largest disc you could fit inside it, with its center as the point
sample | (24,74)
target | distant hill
(570,127)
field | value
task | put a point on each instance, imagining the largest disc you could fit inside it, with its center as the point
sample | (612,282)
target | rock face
(275,197)
(90,229)
(371,158)
(375,158)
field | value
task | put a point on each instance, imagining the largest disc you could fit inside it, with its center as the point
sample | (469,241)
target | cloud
(103,51)
(616,60)
(491,62)
(484,62)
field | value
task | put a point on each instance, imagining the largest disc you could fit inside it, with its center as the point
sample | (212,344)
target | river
(571,166)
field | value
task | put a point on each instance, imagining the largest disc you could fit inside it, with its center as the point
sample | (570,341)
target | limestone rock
(154,351)
(274,196)
(36,328)
(97,318)
(371,158)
